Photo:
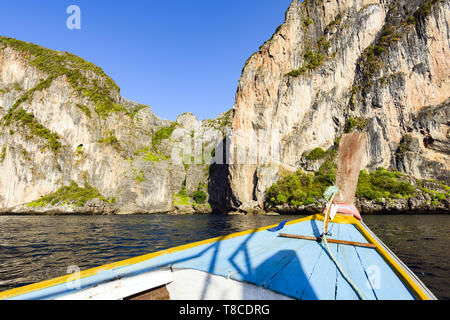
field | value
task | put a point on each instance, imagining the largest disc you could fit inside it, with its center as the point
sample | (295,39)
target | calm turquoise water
(39,248)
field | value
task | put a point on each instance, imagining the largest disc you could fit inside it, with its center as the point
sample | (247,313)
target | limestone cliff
(334,66)
(70,143)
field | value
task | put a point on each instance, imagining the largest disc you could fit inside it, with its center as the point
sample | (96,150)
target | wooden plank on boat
(350,243)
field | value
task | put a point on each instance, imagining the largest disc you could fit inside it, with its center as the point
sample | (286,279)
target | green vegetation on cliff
(199,196)
(134,110)
(440,192)
(375,55)
(385,184)
(3,154)
(405,146)
(316,154)
(335,22)
(140,177)
(313,60)
(70,195)
(162,134)
(425,9)
(372,55)
(150,156)
(308,188)
(359,123)
(222,122)
(19,116)
(100,96)
(305,188)
(111,139)
(57,63)
(181,198)
(85,109)
(27,119)
(87,79)
(297,189)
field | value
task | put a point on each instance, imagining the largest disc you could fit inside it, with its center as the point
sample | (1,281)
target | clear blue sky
(175,56)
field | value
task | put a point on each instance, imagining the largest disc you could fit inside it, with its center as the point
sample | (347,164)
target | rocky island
(71,144)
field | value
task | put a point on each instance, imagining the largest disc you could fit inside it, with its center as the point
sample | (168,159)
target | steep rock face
(63,121)
(330,63)
(71,144)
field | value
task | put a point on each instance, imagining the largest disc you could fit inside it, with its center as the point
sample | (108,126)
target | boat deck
(300,269)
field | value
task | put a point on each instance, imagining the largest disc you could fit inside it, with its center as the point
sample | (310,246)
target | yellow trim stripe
(412,286)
